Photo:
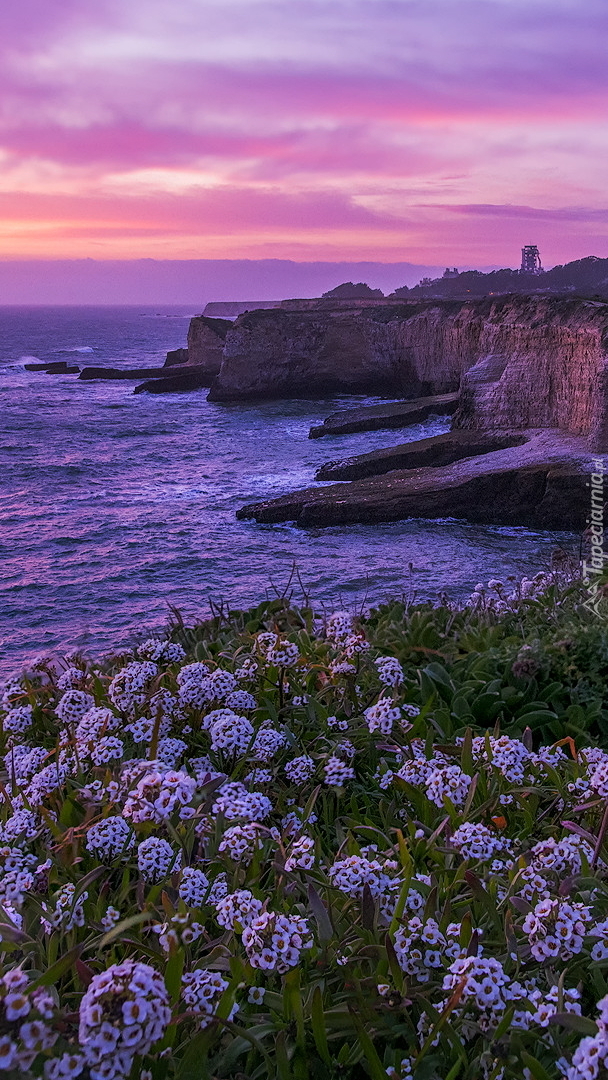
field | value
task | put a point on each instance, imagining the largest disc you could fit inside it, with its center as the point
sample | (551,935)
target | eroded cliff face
(400,349)
(521,362)
(206,339)
(542,363)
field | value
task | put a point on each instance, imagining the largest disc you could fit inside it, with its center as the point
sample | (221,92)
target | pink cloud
(302,108)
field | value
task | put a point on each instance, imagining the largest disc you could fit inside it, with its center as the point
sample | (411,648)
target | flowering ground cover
(283,845)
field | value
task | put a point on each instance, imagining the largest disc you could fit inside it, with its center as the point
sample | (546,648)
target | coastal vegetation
(287,843)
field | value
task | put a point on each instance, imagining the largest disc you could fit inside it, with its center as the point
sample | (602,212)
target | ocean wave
(76,349)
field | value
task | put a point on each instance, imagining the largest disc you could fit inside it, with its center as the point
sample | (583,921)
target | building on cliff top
(530,260)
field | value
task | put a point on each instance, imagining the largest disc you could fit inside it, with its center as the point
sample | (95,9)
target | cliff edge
(519,361)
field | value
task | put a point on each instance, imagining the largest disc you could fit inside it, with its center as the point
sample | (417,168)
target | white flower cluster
(123,1013)
(230,732)
(128,688)
(336,772)
(475,841)
(267,743)
(422,946)
(382,716)
(556,928)
(235,802)
(158,795)
(591,1054)
(241,841)
(73,705)
(300,769)
(108,748)
(72,678)
(68,911)
(92,726)
(21,826)
(339,626)
(239,907)
(449,781)
(156,858)
(481,982)
(277,651)
(161,651)
(390,671)
(18,870)
(352,874)
(180,930)
(193,886)
(24,1015)
(240,699)
(301,855)
(274,942)
(18,720)
(110,839)
(200,993)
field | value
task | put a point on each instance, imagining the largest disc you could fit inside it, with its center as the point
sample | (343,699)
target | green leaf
(193,1065)
(318,1026)
(124,924)
(322,919)
(535,1067)
(56,970)
(575,1023)
(173,974)
(377,1070)
(282,1057)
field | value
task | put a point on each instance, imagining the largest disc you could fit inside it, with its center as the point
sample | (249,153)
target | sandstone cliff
(397,349)
(521,362)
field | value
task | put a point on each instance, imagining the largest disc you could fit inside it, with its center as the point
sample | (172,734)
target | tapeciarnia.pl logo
(598,556)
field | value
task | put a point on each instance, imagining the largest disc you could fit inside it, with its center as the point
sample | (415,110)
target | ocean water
(114,506)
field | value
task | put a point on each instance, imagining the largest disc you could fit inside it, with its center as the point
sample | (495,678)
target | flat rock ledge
(192,379)
(54,367)
(395,414)
(134,374)
(541,484)
(438,451)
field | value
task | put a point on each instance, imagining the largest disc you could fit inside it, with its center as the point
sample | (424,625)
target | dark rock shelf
(435,452)
(395,414)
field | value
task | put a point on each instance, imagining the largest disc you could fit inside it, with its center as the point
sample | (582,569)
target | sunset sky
(434,131)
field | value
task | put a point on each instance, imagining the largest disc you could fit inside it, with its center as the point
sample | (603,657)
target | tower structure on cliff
(530,260)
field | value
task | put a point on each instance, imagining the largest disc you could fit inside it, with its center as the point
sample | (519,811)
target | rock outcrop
(176,357)
(542,484)
(206,340)
(395,414)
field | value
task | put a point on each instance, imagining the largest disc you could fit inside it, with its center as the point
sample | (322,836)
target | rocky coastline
(525,379)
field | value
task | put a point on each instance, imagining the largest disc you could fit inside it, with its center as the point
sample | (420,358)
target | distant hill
(349,291)
(584,277)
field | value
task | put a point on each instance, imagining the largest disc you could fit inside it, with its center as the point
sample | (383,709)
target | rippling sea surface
(115,505)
